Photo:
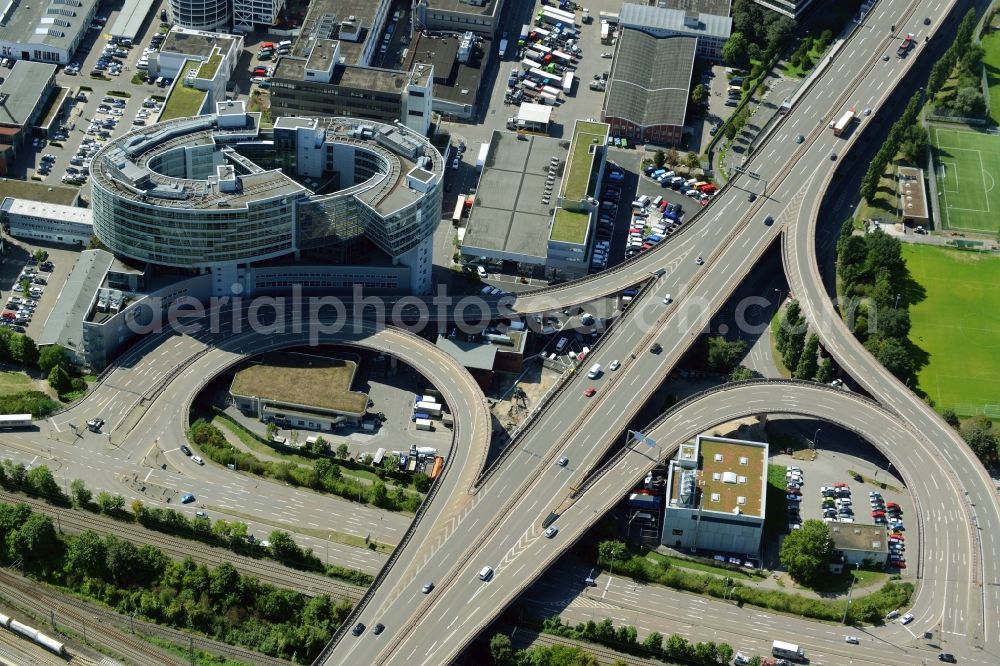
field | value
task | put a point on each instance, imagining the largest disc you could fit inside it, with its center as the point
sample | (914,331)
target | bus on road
(15,421)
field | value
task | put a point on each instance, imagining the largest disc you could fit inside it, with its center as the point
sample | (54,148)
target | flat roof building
(64,325)
(320,85)
(47,222)
(533,117)
(294,389)
(860,544)
(46,31)
(711,30)
(648,89)
(479,16)
(356,24)
(532,206)
(130,19)
(248,14)
(716,496)
(912,196)
(27,99)
(459,63)
(790,8)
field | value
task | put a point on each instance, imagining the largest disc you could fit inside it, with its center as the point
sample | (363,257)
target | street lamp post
(847,608)
(815,439)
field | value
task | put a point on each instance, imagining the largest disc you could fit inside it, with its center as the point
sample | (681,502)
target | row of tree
(964,58)
(324,475)
(907,136)
(615,556)
(218,602)
(758,34)
(504,654)
(799,353)
(39,482)
(874,282)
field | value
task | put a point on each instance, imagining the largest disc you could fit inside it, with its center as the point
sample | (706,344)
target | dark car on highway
(185,450)
(656,348)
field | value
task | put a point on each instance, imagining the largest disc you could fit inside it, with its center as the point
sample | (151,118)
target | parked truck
(425,424)
(844,122)
(503,47)
(905,46)
(431,408)
(484,150)
(788,651)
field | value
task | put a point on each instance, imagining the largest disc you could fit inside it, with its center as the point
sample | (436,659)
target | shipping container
(425,424)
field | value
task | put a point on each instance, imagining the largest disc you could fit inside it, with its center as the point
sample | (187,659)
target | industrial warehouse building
(716,496)
(45,31)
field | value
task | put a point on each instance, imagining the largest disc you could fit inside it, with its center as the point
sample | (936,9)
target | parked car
(187,498)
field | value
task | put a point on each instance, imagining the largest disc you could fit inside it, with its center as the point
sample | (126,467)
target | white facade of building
(250,13)
(51,223)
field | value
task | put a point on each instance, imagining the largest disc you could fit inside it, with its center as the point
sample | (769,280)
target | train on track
(47,642)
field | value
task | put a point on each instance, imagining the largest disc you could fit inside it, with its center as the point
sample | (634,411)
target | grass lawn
(14,382)
(210,67)
(302,379)
(958,325)
(968,164)
(840,584)
(578,171)
(883,207)
(697,566)
(570,226)
(991,60)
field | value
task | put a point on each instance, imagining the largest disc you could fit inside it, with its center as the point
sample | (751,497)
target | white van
(657,201)
(287,43)
(643,201)
(595,371)
(486,573)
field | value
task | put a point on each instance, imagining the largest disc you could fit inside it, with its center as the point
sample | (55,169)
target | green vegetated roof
(578,173)
(184,100)
(209,68)
(570,226)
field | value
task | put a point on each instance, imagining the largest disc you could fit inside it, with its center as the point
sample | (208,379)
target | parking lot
(825,489)
(18,256)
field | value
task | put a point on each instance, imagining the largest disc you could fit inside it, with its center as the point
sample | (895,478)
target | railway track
(114,631)
(306,582)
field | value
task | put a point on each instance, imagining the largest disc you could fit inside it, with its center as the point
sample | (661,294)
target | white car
(667,299)
(853,640)
(906,619)
(615,364)
(198,460)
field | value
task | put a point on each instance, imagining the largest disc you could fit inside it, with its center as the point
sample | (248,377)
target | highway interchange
(145,401)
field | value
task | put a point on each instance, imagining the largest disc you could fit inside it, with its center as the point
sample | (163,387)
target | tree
(137,509)
(659,157)
(724,653)
(915,142)
(978,433)
(678,647)
(654,642)
(699,94)
(50,356)
(271,430)
(742,373)
(793,351)
(23,350)
(502,650)
(342,451)
(610,551)
(39,481)
(692,161)
(779,32)
(59,380)
(672,156)
(283,546)
(318,446)
(108,503)
(806,551)
(734,51)
(951,418)
(80,494)
(85,555)
(724,355)
(825,372)
(893,322)
(968,102)
(421,482)
(893,354)
(808,362)
(378,496)
(35,540)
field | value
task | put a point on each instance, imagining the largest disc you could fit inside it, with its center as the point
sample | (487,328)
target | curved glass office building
(200,14)
(217,193)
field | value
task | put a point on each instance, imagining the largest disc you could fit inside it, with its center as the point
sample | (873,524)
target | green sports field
(968,179)
(958,325)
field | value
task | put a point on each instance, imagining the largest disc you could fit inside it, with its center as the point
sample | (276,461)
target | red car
(793,491)
(878,514)
(897,564)
(840,484)
(590,392)
(897,535)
